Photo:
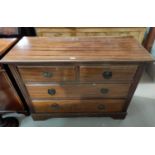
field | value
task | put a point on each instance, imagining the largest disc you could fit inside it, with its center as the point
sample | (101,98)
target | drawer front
(41,91)
(107,73)
(67,106)
(47,74)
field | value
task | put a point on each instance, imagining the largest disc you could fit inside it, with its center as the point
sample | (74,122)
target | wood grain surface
(136,32)
(47,73)
(63,106)
(97,73)
(5,44)
(9,100)
(40,91)
(77,49)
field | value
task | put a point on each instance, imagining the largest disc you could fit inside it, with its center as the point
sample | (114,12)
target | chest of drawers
(9,99)
(77,76)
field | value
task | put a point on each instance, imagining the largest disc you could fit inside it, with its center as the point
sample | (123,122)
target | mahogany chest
(77,76)
(9,99)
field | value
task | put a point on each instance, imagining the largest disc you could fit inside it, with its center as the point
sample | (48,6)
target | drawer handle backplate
(104,90)
(55,106)
(107,74)
(51,91)
(101,107)
(47,74)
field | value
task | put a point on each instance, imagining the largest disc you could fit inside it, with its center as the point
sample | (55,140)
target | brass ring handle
(107,74)
(101,107)
(51,91)
(47,74)
(104,90)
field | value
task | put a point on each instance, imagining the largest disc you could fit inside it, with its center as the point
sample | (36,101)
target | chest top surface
(5,44)
(77,49)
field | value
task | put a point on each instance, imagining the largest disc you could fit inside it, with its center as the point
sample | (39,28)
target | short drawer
(68,106)
(47,73)
(107,73)
(44,91)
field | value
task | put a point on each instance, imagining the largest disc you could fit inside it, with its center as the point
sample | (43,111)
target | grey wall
(151,68)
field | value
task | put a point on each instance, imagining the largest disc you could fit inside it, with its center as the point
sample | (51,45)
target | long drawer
(107,73)
(62,106)
(47,73)
(43,91)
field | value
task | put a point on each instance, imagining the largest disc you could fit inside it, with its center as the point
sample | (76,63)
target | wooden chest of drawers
(9,99)
(77,76)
